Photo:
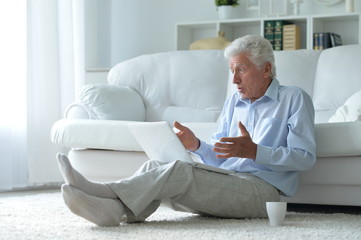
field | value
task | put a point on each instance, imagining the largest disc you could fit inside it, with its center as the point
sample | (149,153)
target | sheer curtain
(56,64)
(41,71)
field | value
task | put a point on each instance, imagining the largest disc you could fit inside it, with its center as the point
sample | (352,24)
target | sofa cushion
(110,135)
(173,82)
(293,68)
(94,134)
(338,139)
(350,111)
(337,76)
(106,102)
(323,116)
(297,68)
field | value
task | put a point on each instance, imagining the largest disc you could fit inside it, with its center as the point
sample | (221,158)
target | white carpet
(45,216)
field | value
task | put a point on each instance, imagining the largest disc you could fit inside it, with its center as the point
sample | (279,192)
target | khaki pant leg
(198,190)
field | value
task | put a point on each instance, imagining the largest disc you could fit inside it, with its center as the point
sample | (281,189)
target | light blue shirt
(281,123)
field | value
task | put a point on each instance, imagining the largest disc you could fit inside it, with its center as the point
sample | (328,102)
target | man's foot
(101,211)
(75,179)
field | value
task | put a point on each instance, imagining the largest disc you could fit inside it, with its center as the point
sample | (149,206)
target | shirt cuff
(263,153)
(202,148)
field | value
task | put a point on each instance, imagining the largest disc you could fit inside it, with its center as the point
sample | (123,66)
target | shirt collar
(272,92)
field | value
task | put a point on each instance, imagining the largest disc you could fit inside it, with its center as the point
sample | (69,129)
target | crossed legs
(96,202)
(186,187)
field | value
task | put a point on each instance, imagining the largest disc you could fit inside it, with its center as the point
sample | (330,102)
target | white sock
(101,211)
(74,178)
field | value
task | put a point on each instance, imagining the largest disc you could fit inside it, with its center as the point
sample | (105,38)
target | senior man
(265,137)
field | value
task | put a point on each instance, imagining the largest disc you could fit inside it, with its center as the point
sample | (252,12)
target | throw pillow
(350,111)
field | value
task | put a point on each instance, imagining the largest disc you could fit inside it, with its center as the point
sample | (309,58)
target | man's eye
(241,70)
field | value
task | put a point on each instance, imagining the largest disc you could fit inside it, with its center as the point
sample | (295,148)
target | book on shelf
(269,28)
(273,31)
(291,37)
(324,40)
(278,44)
(336,40)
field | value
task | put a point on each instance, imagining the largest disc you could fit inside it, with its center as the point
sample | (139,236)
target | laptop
(160,142)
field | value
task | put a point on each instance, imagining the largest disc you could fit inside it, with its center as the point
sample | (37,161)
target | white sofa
(191,86)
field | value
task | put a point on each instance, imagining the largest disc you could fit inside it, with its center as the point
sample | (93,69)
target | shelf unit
(347,25)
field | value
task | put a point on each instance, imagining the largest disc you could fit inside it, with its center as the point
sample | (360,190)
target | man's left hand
(242,146)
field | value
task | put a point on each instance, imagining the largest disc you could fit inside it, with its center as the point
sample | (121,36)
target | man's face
(252,82)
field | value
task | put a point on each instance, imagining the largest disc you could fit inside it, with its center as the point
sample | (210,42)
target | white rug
(45,216)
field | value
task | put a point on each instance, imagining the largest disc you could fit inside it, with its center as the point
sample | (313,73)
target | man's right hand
(187,137)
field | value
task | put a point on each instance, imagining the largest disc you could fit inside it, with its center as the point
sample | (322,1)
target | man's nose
(235,78)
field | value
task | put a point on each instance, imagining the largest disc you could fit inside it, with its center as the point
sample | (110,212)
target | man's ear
(267,68)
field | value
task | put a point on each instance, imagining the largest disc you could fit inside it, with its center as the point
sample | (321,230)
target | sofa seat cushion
(110,134)
(338,139)
(334,171)
(333,139)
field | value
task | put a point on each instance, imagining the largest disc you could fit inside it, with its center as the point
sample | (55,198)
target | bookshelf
(347,25)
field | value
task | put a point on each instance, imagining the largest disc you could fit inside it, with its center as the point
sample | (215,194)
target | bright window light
(13,62)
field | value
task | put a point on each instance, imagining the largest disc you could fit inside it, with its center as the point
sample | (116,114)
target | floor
(28,192)
(311,208)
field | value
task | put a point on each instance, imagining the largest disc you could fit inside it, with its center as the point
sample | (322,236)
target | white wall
(148,26)
(120,29)
(97,33)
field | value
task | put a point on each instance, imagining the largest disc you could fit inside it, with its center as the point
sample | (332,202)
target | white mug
(276,212)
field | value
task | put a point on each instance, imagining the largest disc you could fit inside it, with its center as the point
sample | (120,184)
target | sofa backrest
(293,68)
(338,76)
(297,68)
(191,86)
(188,86)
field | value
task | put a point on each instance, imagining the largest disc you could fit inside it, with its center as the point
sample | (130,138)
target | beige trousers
(184,187)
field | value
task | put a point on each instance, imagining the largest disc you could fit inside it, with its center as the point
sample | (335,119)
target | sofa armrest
(107,102)
(79,110)
(109,134)
(338,139)
(94,134)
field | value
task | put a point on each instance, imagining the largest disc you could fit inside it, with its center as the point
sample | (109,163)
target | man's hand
(242,146)
(187,137)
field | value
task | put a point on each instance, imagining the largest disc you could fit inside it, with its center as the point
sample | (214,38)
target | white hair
(259,50)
